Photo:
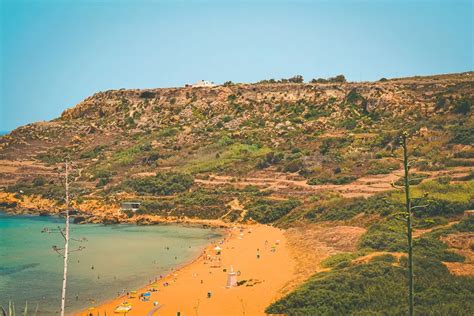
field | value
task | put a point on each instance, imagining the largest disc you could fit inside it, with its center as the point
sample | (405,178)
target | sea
(114,258)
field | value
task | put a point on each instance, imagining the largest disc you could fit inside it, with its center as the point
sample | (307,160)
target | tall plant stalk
(409,225)
(66,245)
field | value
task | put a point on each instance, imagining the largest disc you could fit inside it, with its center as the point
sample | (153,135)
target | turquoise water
(116,257)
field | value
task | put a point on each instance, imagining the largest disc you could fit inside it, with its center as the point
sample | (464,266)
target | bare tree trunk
(66,245)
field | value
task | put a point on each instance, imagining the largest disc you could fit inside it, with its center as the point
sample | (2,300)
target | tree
(296,79)
(64,252)
(338,78)
(319,80)
(462,106)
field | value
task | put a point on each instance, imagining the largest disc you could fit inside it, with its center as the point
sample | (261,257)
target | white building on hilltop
(202,83)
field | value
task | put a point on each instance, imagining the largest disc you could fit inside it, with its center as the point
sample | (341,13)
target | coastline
(166,276)
(145,246)
(265,277)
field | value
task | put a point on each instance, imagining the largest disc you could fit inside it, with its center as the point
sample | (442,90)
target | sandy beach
(266,271)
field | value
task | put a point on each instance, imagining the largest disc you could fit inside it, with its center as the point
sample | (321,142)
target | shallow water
(116,257)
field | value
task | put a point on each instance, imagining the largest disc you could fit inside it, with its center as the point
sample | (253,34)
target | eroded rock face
(116,111)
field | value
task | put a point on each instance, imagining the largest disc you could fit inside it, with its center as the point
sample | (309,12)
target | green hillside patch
(380,288)
(267,211)
(161,184)
(220,159)
(453,192)
(202,203)
(338,208)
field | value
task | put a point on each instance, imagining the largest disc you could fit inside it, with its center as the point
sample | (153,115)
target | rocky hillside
(319,159)
(216,152)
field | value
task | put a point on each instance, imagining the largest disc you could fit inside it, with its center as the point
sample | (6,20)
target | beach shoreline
(225,233)
(258,252)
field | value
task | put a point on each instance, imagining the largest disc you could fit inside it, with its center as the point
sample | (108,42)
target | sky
(54,53)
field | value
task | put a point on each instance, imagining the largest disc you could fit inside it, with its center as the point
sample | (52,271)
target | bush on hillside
(380,287)
(161,184)
(267,211)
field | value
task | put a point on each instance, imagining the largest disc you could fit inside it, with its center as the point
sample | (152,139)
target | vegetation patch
(267,211)
(230,155)
(161,183)
(380,288)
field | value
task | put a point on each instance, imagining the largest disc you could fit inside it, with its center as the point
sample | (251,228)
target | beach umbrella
(217,248)
(147,294)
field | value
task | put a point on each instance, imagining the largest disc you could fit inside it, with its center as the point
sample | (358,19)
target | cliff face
(317,134)
(135,110)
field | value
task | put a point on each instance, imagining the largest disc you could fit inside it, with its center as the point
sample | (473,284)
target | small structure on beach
(218,250)
(231,278)
(129,206)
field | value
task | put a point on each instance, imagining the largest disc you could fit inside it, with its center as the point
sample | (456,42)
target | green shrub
(437,207)
(293,165)
(161,184)
(39,181)
(463,134)
(338,180)
(430,222)
(462,106)
(466,224)
(51,190)
(332,143)
(386,236)
(147,94)
(454,192)
(415,178)
(380,288)
(431,247)
(93,153)
(340,260)
(347,208)
(168,132)
(267,211)
(384,258)
(382,167)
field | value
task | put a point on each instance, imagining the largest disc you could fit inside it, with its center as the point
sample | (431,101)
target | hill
(278,139)
(318,159)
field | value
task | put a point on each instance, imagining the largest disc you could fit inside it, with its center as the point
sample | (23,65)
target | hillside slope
(317,159)
(279,140)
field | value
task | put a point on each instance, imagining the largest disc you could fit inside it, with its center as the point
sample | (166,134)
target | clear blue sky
(56,53)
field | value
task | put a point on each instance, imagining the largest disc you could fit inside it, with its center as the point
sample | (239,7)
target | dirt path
(418,232)
(367,258)
(295,185)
